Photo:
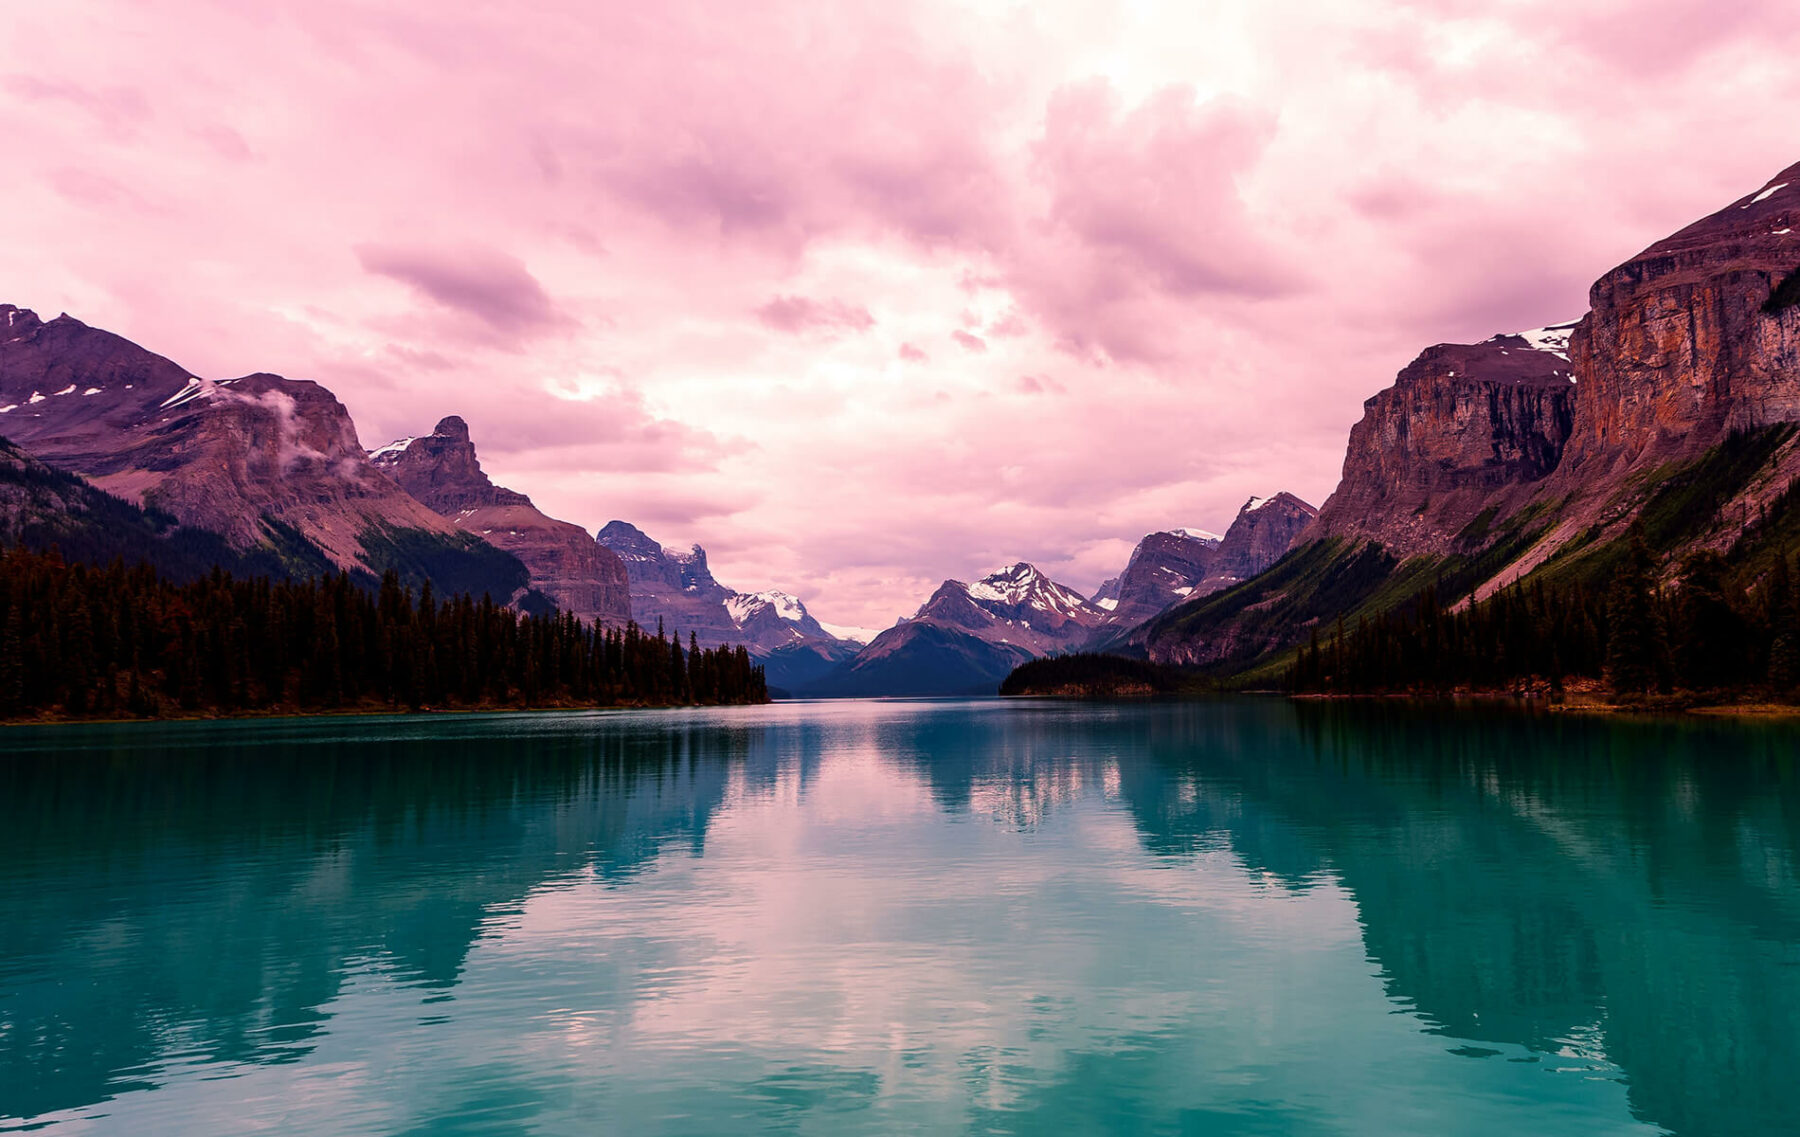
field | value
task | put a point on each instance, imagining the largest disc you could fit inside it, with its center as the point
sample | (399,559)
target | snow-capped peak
(1023,584)
(1255,504)
(1198,535)
(741,606)
(1008,585)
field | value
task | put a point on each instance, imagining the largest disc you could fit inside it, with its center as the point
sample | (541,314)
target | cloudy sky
(865,295)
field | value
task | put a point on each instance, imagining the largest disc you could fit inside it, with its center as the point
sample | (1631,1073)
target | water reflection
(863,917)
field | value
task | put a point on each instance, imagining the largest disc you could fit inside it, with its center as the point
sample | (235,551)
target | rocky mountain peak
(17,323)
(1164,569)
(657,573)
(629,541)
(1691,339)
(1461,423)
(441,470)
(1017,604)
(1264,530)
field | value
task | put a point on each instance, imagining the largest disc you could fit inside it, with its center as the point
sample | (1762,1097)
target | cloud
(492,286)
(679,264)
(797,314)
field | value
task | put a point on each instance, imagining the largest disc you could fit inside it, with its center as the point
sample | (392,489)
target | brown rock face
(1679,347)
(441,470)
(1461,423)
(1264,530)
(231,456)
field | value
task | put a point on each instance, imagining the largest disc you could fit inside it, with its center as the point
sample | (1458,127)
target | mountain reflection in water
(1233,916)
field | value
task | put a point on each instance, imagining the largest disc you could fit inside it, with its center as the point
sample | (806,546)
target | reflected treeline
(1537,881)
(1552,882)
(1540,880)
(210,902)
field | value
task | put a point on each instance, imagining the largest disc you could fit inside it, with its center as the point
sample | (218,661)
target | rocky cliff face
(241,457)
(441,470)
(1465,427)
(1692,337)
(1261,534)
(673,586)
(1485,461)
(1164,570)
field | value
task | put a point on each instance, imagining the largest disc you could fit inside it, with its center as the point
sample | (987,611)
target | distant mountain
(967,637)
(678,588)
(1261,534)
(1164,570)
(923,658)
(260,460)
(441,470)
(674,586)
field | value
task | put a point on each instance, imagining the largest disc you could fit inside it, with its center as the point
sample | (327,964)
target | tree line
(86,641)
(1705,634)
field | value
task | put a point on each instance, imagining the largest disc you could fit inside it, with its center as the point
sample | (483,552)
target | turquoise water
(1242,917)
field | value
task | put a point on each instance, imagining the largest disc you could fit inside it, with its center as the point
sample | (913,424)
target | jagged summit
(677,588)
(442,470)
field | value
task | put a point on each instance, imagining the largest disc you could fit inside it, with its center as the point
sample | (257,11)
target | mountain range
(1665,412)
(676,588)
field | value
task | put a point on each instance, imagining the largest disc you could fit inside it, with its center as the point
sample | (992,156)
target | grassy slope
(454,563)
(1687,502)
(1316,585)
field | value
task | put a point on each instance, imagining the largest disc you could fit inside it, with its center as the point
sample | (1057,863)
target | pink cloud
(796,314)
(492,286)
(1189,245)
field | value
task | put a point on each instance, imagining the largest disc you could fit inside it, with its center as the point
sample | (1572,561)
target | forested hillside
(77,641)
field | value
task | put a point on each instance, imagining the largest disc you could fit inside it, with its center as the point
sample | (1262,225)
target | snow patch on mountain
(1204,535)
(741,606)
(852,633)
(1553,339)
(398,446)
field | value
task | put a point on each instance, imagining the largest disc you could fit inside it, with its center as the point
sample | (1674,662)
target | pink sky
(861,296)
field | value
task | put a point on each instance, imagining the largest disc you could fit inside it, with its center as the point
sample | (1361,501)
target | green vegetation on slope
(1707,636)
(1325,581)
(42,507)
(1689,499)
(452,563)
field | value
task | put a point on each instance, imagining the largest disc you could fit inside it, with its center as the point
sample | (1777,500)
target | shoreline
(365,712)
(1580,702)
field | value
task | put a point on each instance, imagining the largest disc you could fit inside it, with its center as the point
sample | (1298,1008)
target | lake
(1246,916)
